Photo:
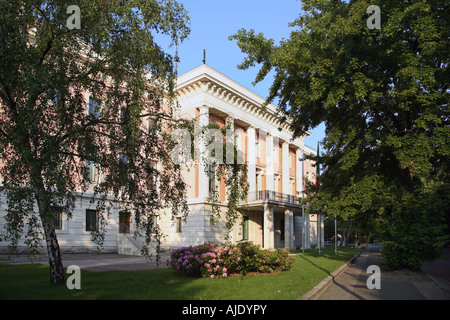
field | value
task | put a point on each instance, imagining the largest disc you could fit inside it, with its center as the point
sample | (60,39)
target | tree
(52,138)
(383,96)
(221,160)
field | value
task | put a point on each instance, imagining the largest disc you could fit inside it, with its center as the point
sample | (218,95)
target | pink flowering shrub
(215,261)
(188,260)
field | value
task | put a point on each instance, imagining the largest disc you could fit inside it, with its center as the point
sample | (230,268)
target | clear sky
(213,21)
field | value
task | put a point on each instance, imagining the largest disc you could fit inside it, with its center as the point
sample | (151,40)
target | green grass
(31,282)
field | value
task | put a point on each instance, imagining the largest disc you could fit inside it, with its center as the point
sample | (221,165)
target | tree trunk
(348,231)
(47,218)
(54,255)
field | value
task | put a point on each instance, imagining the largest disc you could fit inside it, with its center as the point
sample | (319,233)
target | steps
(127,245)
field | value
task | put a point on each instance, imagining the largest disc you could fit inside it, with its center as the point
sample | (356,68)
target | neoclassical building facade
(274,216)
(276,172)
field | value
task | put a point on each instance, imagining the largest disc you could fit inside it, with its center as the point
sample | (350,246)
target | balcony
(272,196)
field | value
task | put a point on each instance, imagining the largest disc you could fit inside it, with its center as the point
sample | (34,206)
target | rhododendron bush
(220,261)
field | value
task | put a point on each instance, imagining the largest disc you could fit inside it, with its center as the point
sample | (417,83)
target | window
(276,182)
(258,181)
(178,228)
(237,141)
(93,107)
(153,174)
(124,115)
(151,124)
(123,169)
(53,95)
(292,186)
(57,217)
(123,158)
(258,148)
(239,153)
(91,220)
(92,172)
(212,180)
(282,230)
(245,225)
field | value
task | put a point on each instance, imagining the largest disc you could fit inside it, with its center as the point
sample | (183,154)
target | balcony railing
(272,195)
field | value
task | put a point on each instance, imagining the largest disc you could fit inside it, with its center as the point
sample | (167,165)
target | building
(275,175)
(274,218)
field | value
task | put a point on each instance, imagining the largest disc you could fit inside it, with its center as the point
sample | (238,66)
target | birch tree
(52,136)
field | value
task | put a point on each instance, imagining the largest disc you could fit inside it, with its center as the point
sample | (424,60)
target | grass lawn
(31,282)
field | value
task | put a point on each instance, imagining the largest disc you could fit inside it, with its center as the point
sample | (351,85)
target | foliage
(234,175)
(51,134)
(214,261)
(416,232)
(222,161)
(383,97)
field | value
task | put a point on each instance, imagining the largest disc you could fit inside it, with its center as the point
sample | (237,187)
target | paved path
(97,262)
(432,284)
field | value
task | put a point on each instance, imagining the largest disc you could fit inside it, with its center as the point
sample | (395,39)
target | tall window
(258,181)
(151,124)
(212,180)
(93,107)
(153,174)
(178,228)
(57,217)
(123,169)
(54,97)
(91,220)
(92,172)
(245,227)
(258,148)
(276,184)
(237,141)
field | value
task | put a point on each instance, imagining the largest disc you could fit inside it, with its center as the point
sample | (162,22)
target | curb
(325,283)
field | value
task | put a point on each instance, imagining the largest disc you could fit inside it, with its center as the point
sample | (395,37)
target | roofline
(206,72)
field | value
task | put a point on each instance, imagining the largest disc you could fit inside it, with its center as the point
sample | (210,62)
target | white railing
(272,195)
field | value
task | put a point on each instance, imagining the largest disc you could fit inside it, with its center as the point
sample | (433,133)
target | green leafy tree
(52,137)
(222,162)
(383,96)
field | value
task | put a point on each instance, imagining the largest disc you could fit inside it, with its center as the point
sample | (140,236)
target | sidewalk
(96,262)
(433,283)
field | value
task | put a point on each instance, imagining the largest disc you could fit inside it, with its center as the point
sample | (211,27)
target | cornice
(206,84)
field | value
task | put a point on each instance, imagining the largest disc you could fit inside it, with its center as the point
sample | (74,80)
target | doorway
(124,222)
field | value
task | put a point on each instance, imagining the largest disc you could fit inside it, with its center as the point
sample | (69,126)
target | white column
(268,226)
(308,231)
(285,167)
(251,159)
(269,163)
(321,227)
(288,229)
(203,178)
(230,140)
(298,172)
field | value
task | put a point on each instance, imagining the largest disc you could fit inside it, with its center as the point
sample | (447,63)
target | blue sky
(213,21)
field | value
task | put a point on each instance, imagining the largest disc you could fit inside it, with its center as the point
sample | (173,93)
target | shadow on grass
(314,264)
(31,282)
